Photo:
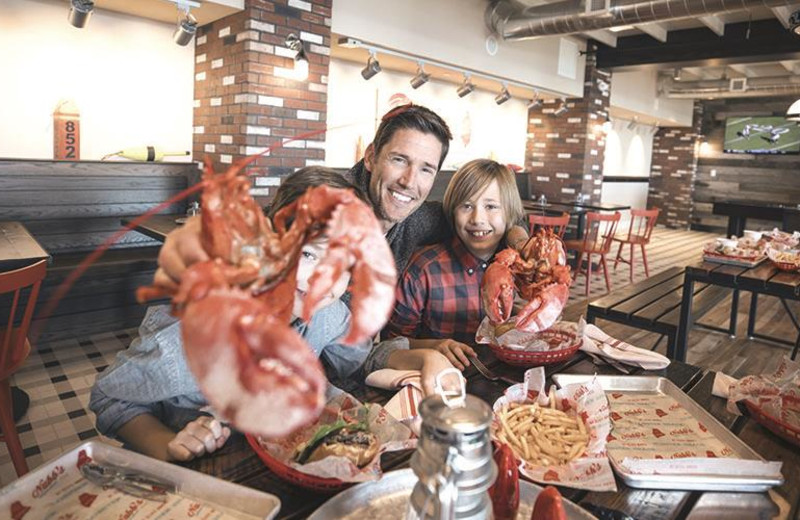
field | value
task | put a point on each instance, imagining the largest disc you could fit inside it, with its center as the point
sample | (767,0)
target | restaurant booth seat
(22,286)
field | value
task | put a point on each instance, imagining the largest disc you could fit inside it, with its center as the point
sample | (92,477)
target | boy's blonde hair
(474,177)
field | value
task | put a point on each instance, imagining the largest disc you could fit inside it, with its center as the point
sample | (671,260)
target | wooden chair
(557,224)
(642,223)
(15,347)
(597,239)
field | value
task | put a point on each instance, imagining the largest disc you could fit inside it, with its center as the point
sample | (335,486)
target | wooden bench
(73,207)
(654,305)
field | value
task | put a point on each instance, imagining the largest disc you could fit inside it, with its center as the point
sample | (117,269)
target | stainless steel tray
(387,498)
(45,489)
(663,386)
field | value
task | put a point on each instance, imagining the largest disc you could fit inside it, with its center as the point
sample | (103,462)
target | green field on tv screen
(761,135)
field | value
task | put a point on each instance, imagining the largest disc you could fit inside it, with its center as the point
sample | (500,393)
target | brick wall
(673,172)
(244,97)
(564,154)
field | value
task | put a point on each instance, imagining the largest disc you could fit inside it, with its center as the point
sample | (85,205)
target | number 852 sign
(67,132)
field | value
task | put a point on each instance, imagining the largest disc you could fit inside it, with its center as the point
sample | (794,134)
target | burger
(351,441)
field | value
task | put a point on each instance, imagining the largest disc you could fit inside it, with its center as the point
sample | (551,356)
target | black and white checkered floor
(59,375)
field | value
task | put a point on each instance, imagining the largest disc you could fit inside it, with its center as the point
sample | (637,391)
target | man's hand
(181,249)
(455,352)
(433,363)
(203,435)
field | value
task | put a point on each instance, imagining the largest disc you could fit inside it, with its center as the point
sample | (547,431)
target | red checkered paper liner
(392,436)
(776,394)
(589,471)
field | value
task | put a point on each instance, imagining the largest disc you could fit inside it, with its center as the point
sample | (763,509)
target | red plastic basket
(293,476)
(526,358)
(786,266)
(773,424)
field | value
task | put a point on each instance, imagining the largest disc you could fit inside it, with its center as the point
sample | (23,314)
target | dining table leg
(686,318)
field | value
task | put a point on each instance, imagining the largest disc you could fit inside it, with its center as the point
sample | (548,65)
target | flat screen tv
(761,135)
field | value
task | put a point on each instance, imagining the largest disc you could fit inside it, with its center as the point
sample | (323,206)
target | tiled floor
(59,375)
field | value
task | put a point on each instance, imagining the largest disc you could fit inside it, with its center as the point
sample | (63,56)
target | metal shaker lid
(473,416)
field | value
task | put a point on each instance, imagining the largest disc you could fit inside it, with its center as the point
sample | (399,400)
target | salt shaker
(542,199)
(453,460)
(193,209)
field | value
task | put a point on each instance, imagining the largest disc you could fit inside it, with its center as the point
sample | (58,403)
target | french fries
(540,435)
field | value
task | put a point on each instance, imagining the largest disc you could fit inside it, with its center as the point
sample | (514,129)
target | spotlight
(793,114)
(632,123)
(794,22)
(80,12)
(466,88)
(185,30)
(535,102)
(372,68)
(300,58)
(421,78)
(562,109)
(503,96)
(676,74)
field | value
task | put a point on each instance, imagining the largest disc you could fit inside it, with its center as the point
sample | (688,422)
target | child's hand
(433,362)
(203,435)
(455,352)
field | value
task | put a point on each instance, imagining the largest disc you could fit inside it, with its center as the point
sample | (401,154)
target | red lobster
(253,368)
(541,276)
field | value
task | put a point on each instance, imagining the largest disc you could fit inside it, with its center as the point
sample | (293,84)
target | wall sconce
(793,114)
(300,58)
(503,96)
(372,68)
(79,13)
(563,109)
(466,88)
(421,78)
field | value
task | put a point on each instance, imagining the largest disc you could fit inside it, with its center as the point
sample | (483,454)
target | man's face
(402,174)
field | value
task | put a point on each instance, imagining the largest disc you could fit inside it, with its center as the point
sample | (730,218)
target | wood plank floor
(738,356)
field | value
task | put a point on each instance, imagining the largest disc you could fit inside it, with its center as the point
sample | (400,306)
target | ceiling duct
(756,87)
(514,20)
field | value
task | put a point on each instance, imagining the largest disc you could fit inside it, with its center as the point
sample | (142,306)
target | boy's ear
(369,157)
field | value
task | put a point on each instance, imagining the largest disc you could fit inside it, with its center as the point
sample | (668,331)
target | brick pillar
(674,168)
(244,99)
(564,153)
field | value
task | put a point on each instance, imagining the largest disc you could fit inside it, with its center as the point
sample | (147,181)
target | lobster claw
(498,292)
(542,311)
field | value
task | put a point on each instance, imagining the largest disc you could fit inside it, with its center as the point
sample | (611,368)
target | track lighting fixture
(794,22)
(300,58)
(466,88)
(503,96)
(187,26)
(79,12)
(536,102)
(676,74)
(372,68)
(421,77)
(632,123)
(561,109)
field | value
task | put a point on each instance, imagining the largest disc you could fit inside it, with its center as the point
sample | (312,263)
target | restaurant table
(236,461)
(18,248)
(156,227)
(739,211)
(762,279)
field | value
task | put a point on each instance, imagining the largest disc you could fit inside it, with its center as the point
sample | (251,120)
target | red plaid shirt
(438,295)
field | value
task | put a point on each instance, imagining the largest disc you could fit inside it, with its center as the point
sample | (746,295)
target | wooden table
(763,279)
(739,211)
(156,227)
(237,463)
(18,248)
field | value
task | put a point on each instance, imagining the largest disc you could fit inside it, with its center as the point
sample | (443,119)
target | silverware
(610,362)
(128,481)
(488,374)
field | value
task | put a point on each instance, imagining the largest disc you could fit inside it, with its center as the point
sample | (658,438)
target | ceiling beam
(782,14)
(603,36)
(768,41)
(656,30)
(714,23)
(791,66)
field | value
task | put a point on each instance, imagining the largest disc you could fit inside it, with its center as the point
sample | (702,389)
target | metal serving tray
(703,482)
(46,491)
(388,498)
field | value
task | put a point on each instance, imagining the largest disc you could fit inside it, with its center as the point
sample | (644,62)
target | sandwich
(353,441)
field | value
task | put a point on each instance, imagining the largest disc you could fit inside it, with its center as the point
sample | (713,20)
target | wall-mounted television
(761,135)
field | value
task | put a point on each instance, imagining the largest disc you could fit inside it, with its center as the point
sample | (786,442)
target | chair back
(642,223)
(20,282)
(557,224)
(599,232)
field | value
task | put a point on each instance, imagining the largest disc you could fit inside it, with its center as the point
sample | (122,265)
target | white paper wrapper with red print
(589,471)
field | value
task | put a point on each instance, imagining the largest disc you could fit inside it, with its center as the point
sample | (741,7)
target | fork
(488,374)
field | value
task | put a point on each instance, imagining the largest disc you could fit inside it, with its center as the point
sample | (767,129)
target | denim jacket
(152,376)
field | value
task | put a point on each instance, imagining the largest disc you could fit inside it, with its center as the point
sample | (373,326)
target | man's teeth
(401,198)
